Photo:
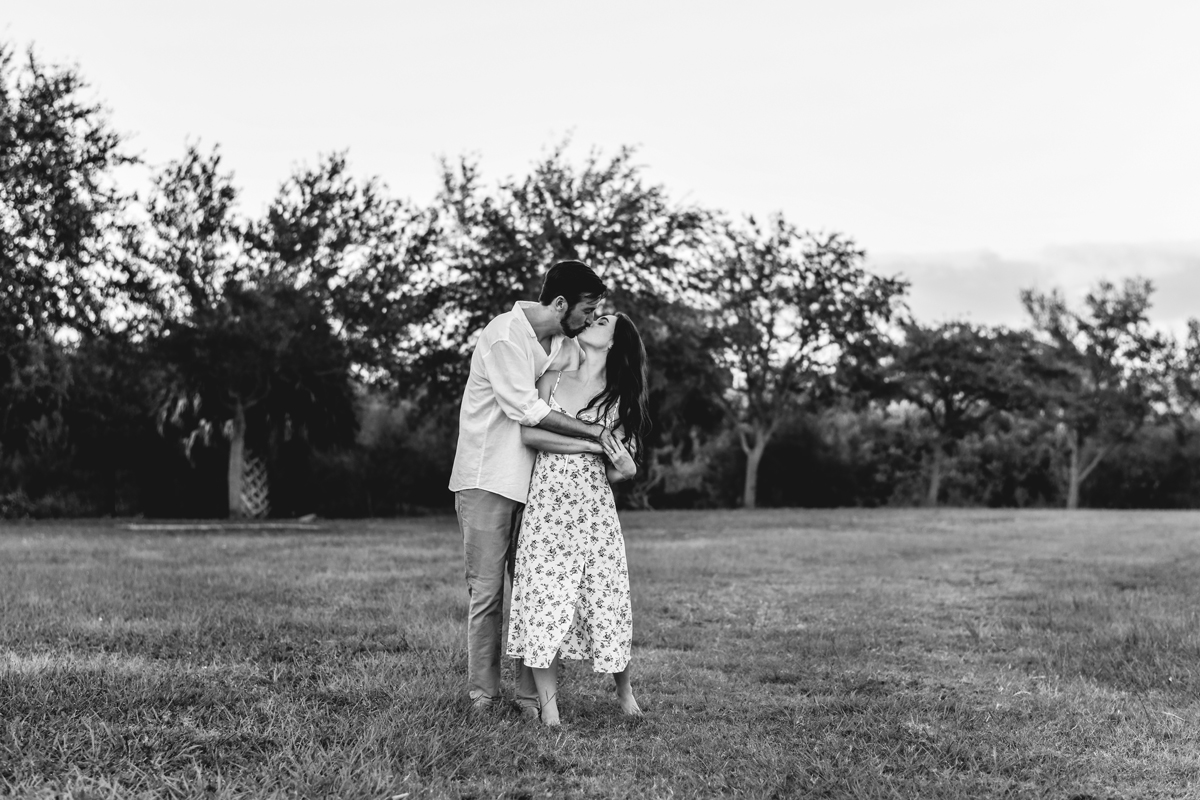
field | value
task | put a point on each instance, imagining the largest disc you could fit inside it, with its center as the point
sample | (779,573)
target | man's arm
(510,374)
(558,422)
(517,394)
(563,424)
(544,440)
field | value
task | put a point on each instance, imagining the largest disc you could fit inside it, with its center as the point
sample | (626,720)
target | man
(492,467)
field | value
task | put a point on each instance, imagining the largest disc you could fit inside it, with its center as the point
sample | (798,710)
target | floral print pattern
(571,583)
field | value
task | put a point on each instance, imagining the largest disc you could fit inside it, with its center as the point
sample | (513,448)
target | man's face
(577,318)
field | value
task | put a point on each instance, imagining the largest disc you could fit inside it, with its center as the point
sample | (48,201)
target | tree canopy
(959,375)
(271,337)
(65,238)
(792,312)
(1111,368)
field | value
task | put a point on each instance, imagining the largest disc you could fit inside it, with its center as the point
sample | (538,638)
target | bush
(15,505)
(400,464)
(1160,468)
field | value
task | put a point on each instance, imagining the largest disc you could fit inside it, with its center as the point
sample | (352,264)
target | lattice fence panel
(256,500)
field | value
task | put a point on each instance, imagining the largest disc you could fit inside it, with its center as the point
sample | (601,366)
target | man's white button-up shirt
(501,396)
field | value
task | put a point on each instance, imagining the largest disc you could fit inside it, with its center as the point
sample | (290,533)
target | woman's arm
(613,474)
(549,442)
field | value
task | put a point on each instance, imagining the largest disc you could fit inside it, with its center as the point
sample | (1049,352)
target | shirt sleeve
(513,384)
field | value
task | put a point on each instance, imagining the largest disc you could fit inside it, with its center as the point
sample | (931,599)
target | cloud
(984,286)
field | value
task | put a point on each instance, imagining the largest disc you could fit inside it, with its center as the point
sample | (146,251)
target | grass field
(788,653)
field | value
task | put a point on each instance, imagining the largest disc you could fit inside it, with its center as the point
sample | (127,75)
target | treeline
(167,355)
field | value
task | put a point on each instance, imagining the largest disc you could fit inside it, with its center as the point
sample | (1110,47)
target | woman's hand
(618,455)
(605,436)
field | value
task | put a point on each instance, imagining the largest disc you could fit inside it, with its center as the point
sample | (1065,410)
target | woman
(570,595)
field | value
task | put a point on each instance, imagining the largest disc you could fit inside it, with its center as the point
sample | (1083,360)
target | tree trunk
(754,456)
(237,459)
(935,477)
(1073,476)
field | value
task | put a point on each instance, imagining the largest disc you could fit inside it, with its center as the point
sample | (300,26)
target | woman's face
(600,333)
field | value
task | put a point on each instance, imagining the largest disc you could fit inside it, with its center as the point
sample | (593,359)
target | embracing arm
(540,439)
(557,422)
(557,425)
(526,401)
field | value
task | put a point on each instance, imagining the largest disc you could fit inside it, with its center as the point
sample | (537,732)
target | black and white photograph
(530,400)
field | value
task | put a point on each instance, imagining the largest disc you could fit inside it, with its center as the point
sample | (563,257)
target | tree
(959,375)
(495,244)
(1110,367)
(685,386)
(354,250)
(264,364)
(65,236)
(792,312)
(264,324)
(1185,371)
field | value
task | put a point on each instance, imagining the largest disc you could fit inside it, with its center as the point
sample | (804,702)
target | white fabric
(501,396)
(570,591)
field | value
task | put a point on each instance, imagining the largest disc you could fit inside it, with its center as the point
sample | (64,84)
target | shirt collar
(518,307)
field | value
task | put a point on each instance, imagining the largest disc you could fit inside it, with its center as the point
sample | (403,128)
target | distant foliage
(792,313)
(959,376)
(1109,372)
(149,345)
(69,284)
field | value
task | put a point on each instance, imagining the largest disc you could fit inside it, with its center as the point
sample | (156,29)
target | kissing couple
(553,413)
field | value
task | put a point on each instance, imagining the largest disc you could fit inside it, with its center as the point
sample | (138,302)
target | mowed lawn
(781,653)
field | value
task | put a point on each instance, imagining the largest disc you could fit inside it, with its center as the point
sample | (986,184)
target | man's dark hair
(571,280)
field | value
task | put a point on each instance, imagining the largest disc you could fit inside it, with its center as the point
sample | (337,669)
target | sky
(975,148)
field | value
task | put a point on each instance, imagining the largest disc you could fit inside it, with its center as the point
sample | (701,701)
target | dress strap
(555,388)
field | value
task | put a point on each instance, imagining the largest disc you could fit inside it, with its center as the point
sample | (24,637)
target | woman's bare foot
(629,704)
(546,680)
(550,714)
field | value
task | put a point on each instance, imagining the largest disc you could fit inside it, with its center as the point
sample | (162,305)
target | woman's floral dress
(571,583)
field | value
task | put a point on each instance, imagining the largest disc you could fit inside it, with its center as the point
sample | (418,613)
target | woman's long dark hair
(625,385)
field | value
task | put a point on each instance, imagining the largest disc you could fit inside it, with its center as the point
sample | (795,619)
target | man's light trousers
(490,524)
